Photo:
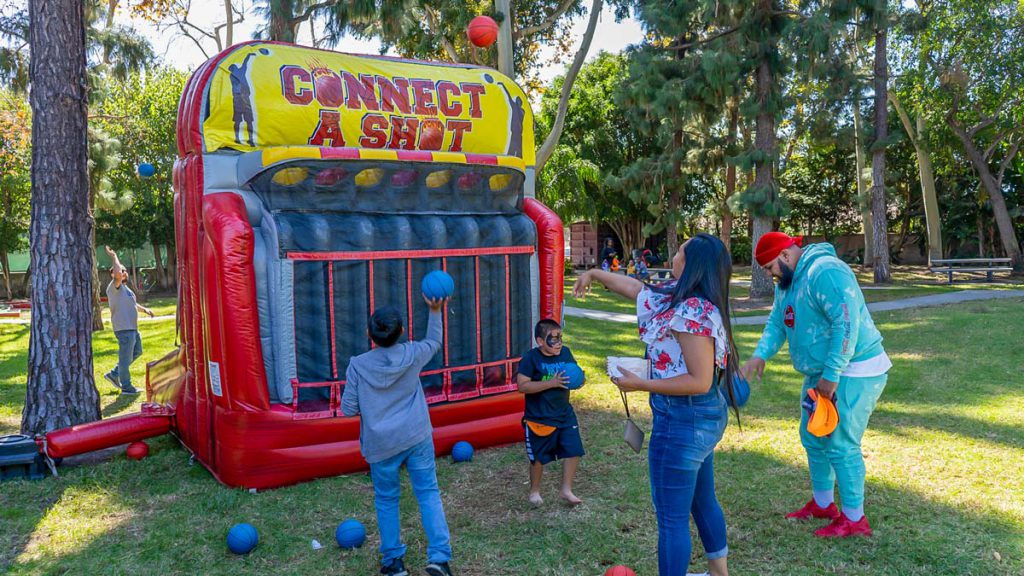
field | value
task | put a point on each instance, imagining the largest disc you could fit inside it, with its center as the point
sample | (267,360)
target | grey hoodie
(383,387)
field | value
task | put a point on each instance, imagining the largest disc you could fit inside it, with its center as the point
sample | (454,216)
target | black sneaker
(129,389)
(110,378)
(396,568)
(439,569)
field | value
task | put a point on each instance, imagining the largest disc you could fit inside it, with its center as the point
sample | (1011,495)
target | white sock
(854,514)
(824,498)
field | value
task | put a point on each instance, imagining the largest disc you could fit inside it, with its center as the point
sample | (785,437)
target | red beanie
(772,243)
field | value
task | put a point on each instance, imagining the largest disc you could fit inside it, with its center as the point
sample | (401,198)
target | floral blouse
(657,324)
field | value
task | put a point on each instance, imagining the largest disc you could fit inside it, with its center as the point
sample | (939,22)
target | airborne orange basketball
(483,31)
(619,571)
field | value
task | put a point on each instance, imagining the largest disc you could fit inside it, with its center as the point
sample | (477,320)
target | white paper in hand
(639,366)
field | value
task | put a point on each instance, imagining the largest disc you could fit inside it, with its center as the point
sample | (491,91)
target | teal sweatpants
(837,458)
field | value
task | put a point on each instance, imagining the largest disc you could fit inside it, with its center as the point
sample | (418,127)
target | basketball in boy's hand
(574,376)
(437,285)
(619,571)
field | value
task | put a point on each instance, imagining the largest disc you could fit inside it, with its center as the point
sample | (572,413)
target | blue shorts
(560,443)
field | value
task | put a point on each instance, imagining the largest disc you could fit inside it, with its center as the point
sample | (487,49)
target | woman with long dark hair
(686,328)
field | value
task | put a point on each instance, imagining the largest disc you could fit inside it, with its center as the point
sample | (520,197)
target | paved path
(916,302)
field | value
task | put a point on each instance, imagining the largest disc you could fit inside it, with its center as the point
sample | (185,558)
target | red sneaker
(811,509)
(843,527)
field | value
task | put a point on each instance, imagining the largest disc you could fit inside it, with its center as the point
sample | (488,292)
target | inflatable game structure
(312,187)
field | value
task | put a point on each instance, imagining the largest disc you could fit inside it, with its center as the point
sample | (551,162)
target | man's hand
(827,388)
(753,369)
(110,252)
(148,311)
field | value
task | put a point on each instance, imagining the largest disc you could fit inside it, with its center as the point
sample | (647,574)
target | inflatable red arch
(312,186)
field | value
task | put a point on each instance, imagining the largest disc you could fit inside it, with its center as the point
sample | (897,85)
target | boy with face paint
(549,422)
(820,310)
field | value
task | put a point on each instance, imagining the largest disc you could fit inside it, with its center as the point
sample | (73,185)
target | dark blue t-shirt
(550,407)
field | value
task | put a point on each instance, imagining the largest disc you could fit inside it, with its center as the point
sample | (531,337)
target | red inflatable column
(550,255)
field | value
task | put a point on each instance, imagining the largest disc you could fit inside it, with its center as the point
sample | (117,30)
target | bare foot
(570,498)
(535,499)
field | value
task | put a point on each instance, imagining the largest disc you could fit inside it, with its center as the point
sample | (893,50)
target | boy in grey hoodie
(383,387)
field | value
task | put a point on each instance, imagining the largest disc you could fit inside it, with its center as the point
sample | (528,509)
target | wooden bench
(986,265)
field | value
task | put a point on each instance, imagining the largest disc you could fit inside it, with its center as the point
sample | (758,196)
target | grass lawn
(944,455)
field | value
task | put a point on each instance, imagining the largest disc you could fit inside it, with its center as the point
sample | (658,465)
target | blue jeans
(685,432)
(419,460)
(129,348)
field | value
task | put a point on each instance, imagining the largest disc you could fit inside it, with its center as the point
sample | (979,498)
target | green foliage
(140,113)
(583,179)
(15,164)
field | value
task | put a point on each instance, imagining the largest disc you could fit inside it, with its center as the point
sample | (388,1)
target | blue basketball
(740,391)
(575,375)
(438,284)
(242,538)
(146,170)
(350,534)
(462,451)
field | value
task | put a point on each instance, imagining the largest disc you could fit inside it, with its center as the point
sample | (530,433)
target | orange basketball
(483,31)
(619,571)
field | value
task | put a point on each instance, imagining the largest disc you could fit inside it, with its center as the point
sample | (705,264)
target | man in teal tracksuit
(820,310)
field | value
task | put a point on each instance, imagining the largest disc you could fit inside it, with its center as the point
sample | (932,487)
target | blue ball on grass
(462,451)
(242,538)
(350,534)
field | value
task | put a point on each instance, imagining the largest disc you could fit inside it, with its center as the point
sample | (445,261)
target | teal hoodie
(823,316)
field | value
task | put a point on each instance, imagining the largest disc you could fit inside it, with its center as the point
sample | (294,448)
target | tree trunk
(548,148)
(282,28)
(630,233)
(863,197)
(97,305)
(172,266)
(671,229)
(60,390)
(506,61)
(5,263)
(730,175)
(761,285)
(929,198)
(229,25)
(878,212)
(1007,235)
(161,272)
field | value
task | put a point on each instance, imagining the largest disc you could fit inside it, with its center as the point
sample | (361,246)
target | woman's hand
(628,381)
(582,285)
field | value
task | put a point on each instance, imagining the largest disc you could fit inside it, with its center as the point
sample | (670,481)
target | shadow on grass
(167,517)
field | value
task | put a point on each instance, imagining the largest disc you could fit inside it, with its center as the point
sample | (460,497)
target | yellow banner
(265,94)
